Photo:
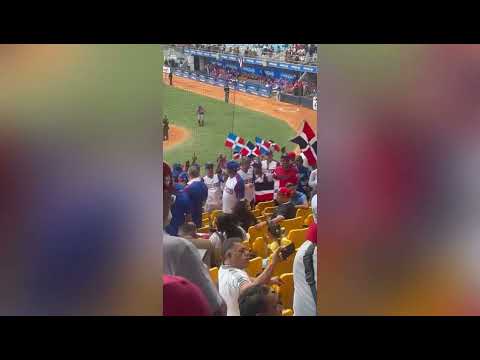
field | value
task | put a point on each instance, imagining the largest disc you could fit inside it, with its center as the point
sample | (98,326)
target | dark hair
(253,301)
(274,229)
(244,217)
(188,228)
(228,224)
(228,244)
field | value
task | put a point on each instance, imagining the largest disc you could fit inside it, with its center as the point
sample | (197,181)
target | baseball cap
(232,165)
(183,176)
(285,192)
(167,178)
(183,298)
(291,155)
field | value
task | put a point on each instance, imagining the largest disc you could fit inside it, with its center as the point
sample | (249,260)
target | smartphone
(287,251)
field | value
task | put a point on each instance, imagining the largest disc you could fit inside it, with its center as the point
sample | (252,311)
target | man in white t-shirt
(269,165)
(232,278)
(246,172)
(234,188)
(214,186)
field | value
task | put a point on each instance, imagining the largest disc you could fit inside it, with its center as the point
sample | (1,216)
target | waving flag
(234,142)
(250,150)
(307,141)
(263,145)
(236,156)
(274,146)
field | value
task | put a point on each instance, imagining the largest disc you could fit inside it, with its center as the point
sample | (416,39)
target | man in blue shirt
(304,173)
(197,192)
(180,209)
(298,199)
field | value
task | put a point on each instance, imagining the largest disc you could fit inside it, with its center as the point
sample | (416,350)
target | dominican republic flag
(250,150)
(274,146)
(263,145)
(236,156)
(307,141)
(234,142)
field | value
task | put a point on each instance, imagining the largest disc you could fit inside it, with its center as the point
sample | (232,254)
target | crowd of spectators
(298,53)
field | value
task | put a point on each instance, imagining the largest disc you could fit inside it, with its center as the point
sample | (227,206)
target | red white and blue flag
(250,150)
(234,142)
(263,145)
(307,141)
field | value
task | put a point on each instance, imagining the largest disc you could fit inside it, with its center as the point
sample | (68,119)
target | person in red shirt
(183,298)
(286,172)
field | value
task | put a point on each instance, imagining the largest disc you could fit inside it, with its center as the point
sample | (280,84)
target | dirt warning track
(291,114)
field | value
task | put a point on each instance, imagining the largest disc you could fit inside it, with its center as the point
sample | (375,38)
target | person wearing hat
(177,170)
(286,172)
(214,186)
(183,298)
(269,165)
(182,180)
(181,257)
(299,199)
(284,211)
(264,185)
(234,189)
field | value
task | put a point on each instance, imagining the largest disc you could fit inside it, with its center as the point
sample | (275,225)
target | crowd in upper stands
(240,240)
(294,53)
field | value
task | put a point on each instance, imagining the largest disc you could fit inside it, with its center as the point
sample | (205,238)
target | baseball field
(245,115)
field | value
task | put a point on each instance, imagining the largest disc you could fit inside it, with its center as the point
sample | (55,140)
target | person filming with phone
(232,277)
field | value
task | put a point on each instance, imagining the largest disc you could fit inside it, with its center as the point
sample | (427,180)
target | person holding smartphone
(233,280)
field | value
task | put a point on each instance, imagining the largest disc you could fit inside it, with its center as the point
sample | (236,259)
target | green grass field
(207,142)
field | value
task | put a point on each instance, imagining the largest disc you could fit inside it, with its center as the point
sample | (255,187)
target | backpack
(310,271)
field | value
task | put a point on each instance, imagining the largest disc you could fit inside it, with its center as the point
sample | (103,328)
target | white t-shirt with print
(248,180)
(214,190)
(231,194)
(270,167)
(230,280)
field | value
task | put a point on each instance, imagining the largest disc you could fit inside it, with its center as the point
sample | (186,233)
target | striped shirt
(230,280)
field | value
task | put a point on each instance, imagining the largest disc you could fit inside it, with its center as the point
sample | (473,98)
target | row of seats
(295,229)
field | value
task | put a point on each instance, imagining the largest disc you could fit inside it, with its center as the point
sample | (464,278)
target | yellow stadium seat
(309,220)
(257,213)
(272,246)
(214,214)
(214,274)
(287,312)
(205,222)
(286,290)
(295,223)
(254,267)
(262,205)
(204,230)
(205,216)
(253,233)
(303,213)
(259,247)
(269,210)
(297,237)
(261,218)
(246,243)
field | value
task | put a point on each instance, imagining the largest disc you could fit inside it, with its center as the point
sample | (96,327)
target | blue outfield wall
(245,87)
